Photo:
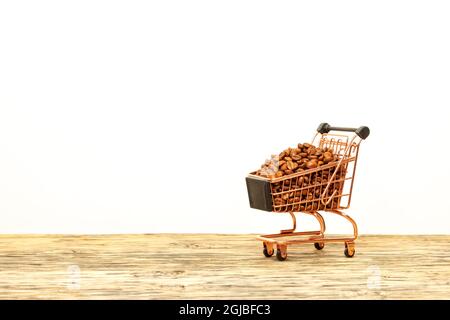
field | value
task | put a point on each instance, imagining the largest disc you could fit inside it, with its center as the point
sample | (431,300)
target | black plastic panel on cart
(259,194)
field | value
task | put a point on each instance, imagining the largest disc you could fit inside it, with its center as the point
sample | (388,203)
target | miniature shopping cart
(333,185)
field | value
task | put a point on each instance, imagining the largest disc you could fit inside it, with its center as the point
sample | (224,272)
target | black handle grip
(362,132)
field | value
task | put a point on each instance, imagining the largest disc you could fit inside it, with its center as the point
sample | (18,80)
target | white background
(146,116)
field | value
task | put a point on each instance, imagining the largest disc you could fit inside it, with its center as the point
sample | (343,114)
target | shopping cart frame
(347,146)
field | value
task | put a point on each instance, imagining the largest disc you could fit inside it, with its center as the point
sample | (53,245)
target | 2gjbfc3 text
(225,310)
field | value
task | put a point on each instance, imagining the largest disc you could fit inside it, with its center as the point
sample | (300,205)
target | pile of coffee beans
(304,192)
(305,156)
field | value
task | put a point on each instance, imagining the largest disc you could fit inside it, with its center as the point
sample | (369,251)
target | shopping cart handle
(362,132)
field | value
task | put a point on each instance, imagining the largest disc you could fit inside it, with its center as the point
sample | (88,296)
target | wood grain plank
(212,266)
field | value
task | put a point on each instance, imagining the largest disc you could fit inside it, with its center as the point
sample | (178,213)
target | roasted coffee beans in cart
(309,178)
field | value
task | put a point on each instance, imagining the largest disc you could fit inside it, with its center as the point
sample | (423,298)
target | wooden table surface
(207,266)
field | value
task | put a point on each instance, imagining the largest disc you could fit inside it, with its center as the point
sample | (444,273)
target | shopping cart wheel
(268,250)
(281,253)
(319,245)
(349,250)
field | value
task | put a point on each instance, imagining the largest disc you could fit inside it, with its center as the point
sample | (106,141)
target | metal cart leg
(294,224)
(355,227)
(349,250)
(321,220)
(320,244)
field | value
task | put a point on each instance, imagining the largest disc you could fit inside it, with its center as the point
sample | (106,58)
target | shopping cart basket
(326,188)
